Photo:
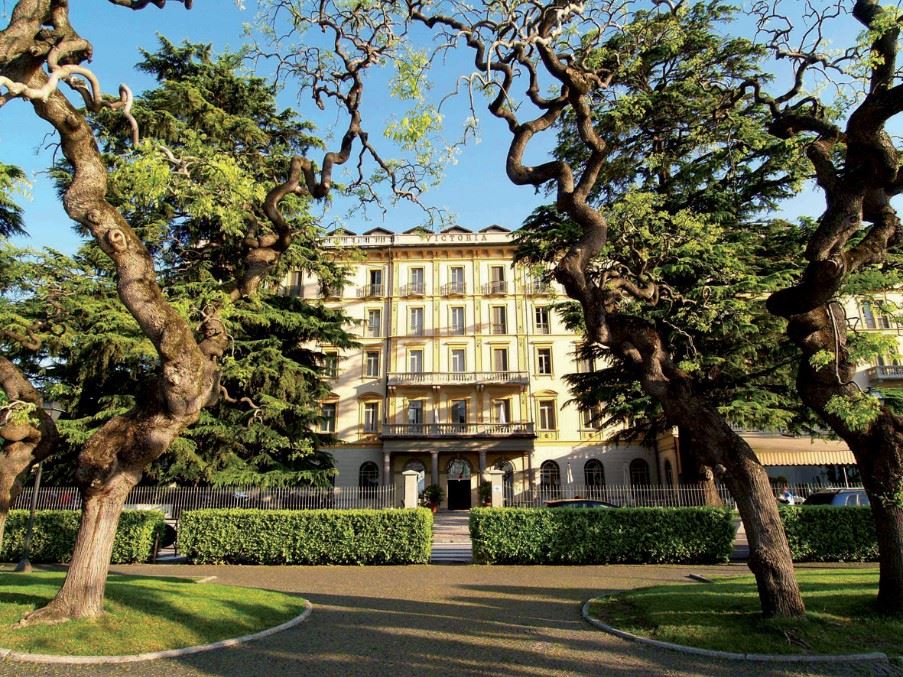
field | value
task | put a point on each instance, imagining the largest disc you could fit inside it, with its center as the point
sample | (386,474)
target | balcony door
(459,415)
(415,416)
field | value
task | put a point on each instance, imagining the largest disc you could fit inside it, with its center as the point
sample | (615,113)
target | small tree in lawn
(591,55)
(40,51)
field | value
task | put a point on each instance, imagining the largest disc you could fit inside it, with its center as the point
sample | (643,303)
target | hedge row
(585,536)
(822,533)
(54,535)
(306,536)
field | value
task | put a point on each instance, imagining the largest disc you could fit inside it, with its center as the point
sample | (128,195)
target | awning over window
(779,450)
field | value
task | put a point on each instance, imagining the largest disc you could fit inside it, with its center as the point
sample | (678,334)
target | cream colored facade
(460,368)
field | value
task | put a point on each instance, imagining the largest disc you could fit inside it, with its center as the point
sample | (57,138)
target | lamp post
(24,564)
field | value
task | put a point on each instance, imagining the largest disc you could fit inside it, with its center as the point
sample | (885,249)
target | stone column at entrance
(482,465)
(410,488)
(434,476)
(387,468)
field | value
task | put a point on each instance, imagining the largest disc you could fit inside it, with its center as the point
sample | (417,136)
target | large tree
(39,52)
(841,105)
(588,54)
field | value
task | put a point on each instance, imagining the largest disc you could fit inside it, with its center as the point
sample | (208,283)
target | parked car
(578,503)
(838,497)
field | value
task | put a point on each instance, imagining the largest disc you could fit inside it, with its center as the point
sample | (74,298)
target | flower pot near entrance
(433,495)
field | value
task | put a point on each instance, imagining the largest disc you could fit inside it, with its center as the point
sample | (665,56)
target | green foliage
(857,411)
(819,533)
(12,181)
(586,536)
(55,531)
(306,537)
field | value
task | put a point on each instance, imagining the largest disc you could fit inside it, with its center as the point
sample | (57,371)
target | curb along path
(451,538)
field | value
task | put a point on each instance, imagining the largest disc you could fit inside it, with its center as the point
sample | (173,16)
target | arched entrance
(459,484)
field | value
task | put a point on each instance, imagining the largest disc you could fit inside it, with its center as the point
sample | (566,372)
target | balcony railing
(459,430)
(498,328)
(454,289)
(458,378)
(415,289)
(538,288)
(496,287)
(887,372)
(370,290)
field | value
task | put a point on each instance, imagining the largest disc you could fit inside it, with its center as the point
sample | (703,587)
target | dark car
(838,497)
(578,503)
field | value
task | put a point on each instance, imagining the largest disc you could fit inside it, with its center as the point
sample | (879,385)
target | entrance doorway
(459,485)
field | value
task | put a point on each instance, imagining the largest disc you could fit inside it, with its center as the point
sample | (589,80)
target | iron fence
(174,500)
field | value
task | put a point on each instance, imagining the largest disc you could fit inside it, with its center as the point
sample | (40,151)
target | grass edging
(8,654)
(711,653)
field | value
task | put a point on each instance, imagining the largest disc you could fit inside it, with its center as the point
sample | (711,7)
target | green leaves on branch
(857,411)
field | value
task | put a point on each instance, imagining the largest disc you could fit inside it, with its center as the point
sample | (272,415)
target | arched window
(459,469)
(593,473)
(549,479)
(639,472)
(669,474)
(369,475)
(420,469)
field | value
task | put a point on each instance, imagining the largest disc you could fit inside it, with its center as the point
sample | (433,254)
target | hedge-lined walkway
(441,620)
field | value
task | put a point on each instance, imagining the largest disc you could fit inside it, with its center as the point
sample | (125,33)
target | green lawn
(143,614)
(725,616)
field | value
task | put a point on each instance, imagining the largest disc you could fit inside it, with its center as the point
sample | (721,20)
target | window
(500,359)
(501,411)
(497,279)
(372,363)
(456,280)
(544,361)
(415,412)
(328,417)
(592,418)
(639,472)
(332,289)
(585,366)
(459,413)
(593,473)
(331,365)
(547,414)
(456,320)
(458,360)
(371,416)
(374,322)
(296,285)
(549,479)
(415,325)
(368,478)
(376,282)
(415,361)
(541,320)
(499,320)
(415,281)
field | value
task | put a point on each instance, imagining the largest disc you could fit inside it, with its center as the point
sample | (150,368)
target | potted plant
(433,494)
(486,494)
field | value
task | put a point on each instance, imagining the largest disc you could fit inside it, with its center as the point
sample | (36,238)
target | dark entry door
(459,494)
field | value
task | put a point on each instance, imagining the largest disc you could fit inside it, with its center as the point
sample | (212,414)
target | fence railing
(644,495)
(459,430)
(175,500)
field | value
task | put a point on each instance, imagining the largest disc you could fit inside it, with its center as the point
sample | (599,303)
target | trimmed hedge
(600,536)
(55,530)
(243,536)
(823,533)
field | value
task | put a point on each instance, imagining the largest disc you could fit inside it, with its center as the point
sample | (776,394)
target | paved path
(431,621)
(451,538)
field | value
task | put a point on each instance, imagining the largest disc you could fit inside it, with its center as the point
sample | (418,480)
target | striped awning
(780,450)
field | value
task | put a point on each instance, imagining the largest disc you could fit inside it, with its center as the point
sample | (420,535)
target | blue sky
(475,189)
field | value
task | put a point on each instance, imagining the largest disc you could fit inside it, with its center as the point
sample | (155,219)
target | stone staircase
(451,538)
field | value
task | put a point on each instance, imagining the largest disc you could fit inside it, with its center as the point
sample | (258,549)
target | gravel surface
(444,620)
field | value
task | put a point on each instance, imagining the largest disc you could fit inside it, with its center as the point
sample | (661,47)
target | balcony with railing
(436,430)
(454,289)
(538,288)
(415,289)
(495,287)
(458,378)
(371,290)
(886,373)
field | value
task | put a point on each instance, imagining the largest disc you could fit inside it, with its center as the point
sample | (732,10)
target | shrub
(822,533)
(54,535)
(600,536)
(306,536)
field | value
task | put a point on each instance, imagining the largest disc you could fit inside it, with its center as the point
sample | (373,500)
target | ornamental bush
(823,533)
(600,536)
(54,534)
(243,536)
